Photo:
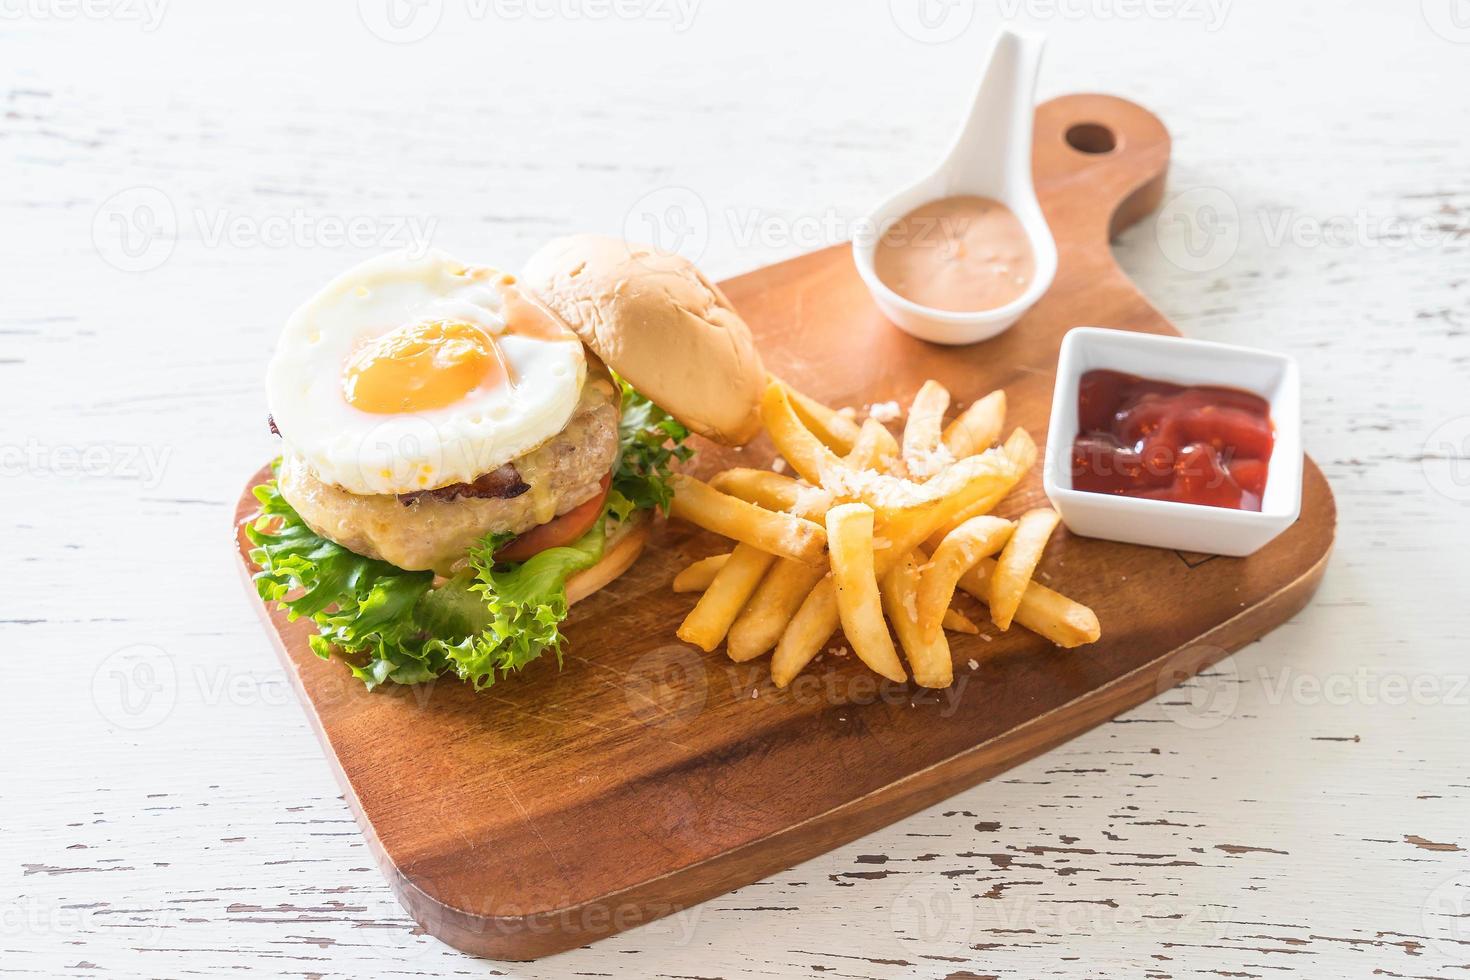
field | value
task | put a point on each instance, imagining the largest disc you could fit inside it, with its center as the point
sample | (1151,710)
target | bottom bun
(623,548)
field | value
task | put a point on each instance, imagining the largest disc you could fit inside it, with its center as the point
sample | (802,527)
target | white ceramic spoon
(991,157)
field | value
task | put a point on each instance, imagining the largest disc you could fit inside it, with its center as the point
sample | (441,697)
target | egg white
(369,453)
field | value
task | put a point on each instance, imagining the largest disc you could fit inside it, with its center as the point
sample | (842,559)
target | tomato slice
(558,531)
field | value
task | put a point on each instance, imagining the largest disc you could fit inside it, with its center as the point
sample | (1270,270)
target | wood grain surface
(644,776)
(1295,811)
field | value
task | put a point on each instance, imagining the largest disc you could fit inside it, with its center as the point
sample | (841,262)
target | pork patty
(434,529)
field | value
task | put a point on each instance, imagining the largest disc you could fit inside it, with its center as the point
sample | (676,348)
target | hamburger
(466,453)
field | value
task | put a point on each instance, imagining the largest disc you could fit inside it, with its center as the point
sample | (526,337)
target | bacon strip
(501,484)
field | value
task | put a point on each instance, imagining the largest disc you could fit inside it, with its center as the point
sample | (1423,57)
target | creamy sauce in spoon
(960,254)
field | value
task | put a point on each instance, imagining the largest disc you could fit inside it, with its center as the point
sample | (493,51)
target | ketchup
(1193,445)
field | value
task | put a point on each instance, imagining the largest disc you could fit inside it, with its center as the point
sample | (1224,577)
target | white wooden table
(164,807)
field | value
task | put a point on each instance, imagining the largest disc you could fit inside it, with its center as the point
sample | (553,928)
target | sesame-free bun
(660,324)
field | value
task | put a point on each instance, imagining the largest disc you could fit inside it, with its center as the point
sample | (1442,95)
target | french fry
(979,537)
(968,482)
(979,477)
(710,619)
(798,619)
(977,427)
(1049,614)
(953,620)
(957,622)
(874,447)
(815,621)
(774,491)
(1021,450)
(871,505)
(837,431)
(760,624)
(1017,563)
(928,658)
(859,607)
(964,483)
(794,441)
(765,617)
(771,531)
(698,576)
(921,433)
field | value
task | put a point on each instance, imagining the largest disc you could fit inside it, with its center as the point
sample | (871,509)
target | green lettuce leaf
(361,606)
(510,614)
(396,626)
(650,442)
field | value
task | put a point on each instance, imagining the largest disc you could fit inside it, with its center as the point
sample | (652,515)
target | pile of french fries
(870,532)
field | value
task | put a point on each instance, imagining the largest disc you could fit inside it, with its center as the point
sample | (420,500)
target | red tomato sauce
(1190,444)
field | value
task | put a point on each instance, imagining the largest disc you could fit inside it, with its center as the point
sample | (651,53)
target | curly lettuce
(489,620)
(650,442)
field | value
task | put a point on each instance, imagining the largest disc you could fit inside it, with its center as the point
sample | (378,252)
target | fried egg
(410,373)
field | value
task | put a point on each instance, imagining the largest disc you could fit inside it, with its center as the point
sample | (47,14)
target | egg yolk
(422,366)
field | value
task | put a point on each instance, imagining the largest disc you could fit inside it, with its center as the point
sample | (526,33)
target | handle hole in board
(1092,138)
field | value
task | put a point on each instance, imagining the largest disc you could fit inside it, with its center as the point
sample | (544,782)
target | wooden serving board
(645,776)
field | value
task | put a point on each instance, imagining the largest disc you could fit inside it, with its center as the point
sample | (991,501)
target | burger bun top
(659,323)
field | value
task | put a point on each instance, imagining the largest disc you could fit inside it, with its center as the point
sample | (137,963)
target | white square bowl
(1164,523)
